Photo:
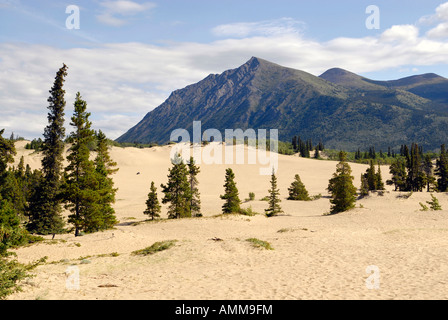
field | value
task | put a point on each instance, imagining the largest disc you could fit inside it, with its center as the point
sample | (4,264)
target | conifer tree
(343,192)
(364,191)
(399,175)
(231,195)
(429,173)
(434,203)
(153,207)
(274,199)
(7,153)
(46,203)
(195,200)
(105,167)
(442,170)
(297,190)
(81,184)
(177,190)
(371,177)
(379,180)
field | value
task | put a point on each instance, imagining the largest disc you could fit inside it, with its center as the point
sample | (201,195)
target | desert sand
(314,257)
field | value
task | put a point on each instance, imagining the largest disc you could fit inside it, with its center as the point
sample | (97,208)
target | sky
(126,57)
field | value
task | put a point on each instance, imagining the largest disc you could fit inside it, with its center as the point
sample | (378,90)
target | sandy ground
(314,256)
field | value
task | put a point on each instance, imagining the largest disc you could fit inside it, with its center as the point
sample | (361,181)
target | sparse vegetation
(257,243)
(248,212)
(156,247)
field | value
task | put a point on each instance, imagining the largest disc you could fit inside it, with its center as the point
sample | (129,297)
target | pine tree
(7,153)
(399,175)
(343,192)
(379,180)
(434,203)
(195,200)
(81,184)
(46,203)
(364,190)
(442,170)
(231,196)
(153,207)
(105,167)
(371,177)
(177,190)
(274,199)
(297,190)
(429,173)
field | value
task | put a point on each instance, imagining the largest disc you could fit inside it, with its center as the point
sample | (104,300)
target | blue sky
(128,56)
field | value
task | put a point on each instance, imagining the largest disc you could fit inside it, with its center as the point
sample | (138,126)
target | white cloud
(440,19)
(115,11)
(122,82)
(276,27)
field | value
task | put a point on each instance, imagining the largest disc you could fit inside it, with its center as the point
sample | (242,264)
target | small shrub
(251,197)
(265,199)
(248,212)
(434,203)
(257,243)
(316,197)
(424,207)
(156,247)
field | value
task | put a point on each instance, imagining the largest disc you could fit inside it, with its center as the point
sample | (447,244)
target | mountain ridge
(341,108)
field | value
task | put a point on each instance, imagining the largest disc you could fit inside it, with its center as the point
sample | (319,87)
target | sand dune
(314,256)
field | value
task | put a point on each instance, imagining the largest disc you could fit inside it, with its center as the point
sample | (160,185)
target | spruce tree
(371,177)
(343,192)
(231,196)
(81,184)
(195,200)
(274,199)
(442,170)
(429,173)
(364,191)
(398,171)
(105,167)
(379,179)
(7,153)
(434,203)
(297,190)
(153,207)
(177,190)
(46,203)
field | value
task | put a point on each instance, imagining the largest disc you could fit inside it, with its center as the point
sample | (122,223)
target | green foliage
(442,170)
(12,272)
(80,192)
(274,199)
(434,203)
(156,247)
(248,212)
(35,144)
(297,190)
(251,196)
(45,203)
(424,207)
(194,196)
(177,190)
(341,187)
(257,243)
(105,167)
(231,196)
(153,207)
(364,191)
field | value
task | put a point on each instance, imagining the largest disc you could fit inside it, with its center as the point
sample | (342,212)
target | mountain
(340,108)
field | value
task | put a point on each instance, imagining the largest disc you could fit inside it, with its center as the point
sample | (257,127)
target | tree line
(84,186)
